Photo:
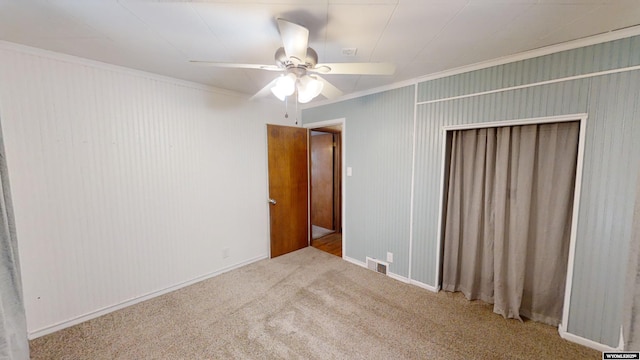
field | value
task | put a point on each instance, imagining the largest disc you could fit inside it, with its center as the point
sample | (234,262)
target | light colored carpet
(306,305)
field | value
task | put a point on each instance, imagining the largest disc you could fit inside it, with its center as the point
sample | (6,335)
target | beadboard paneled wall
(612,162)
(377,203)
(567,82)
(585,60)
(125,184)
(632,288)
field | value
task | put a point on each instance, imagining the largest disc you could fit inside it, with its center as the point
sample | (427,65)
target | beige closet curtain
(508,217)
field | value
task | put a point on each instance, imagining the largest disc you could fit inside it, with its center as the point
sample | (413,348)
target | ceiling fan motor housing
(308,62)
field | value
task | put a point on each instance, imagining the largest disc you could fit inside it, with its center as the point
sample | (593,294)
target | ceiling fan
(301,70)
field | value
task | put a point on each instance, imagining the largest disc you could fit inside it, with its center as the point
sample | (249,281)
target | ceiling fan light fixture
(304,98)
(285,86)
(308,88)
(278,93)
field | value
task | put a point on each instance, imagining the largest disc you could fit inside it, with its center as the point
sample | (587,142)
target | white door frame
(343,160)
(582,118)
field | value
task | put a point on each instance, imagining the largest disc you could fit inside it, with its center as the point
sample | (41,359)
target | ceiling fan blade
(328,90)
(295,39)
(238,66)
(355,68)
(265,90)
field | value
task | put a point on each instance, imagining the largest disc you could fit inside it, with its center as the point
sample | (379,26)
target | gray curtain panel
(13,329)
(508,217)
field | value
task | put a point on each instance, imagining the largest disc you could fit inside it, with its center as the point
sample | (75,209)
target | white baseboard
(94,314)
(585,342)
(398,277)
(417,283)
(354,261)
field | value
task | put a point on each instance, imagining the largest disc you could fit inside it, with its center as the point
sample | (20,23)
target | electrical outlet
(225,253)
(389,257)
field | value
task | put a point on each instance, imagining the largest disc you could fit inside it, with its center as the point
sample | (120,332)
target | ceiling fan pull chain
(286,107)
(296,108)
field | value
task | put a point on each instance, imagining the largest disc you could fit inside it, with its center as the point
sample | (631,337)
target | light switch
(349,171)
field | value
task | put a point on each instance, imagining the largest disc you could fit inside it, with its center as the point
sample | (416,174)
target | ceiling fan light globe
(285,86)
(287,83)
(278,93)
(315,86)
(304,98)
(309,88)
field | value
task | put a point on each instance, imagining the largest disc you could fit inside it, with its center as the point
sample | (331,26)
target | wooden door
(288,188)
(322,188)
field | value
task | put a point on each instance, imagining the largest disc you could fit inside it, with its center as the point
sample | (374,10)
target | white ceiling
(420,36)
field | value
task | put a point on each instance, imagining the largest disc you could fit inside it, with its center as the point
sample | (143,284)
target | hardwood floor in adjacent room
(331,243)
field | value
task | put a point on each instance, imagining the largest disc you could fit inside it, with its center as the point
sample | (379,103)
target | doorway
(325,172)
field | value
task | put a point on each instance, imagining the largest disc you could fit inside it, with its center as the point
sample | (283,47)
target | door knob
(272,201)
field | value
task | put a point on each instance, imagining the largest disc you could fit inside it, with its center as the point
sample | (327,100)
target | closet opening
(509,208)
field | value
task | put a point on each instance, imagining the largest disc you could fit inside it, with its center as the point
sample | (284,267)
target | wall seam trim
(413,180)
(540,83)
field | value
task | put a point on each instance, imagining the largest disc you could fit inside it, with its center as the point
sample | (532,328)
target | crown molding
(551,49)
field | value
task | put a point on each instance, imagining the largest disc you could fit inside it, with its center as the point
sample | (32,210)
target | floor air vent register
(377,265)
